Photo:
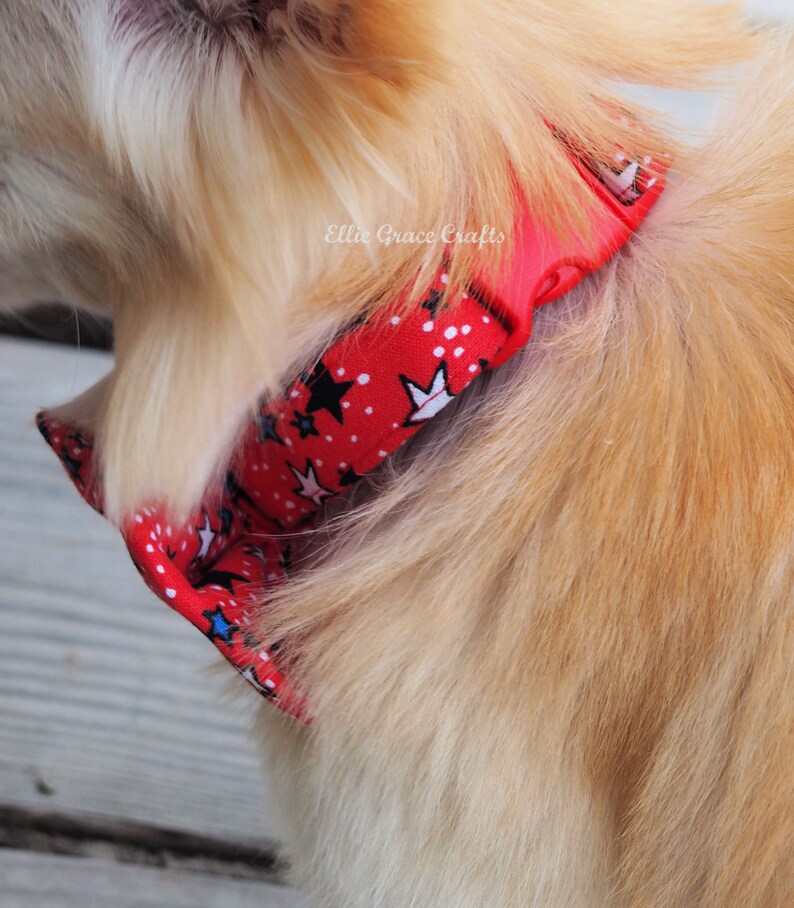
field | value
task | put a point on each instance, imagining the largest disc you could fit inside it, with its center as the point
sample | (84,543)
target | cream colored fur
(550,650)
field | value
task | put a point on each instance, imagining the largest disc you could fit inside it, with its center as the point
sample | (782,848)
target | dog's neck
(369,393)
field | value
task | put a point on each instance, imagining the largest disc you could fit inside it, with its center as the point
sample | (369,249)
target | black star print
(73,466)
(225,516)
(358,322)
(220,627)
(43,428)
(79,439)
(251,641)
(348,477)
(304,424)
(252,678)
(325,393)
(285,559)
(433,302)
(255,552)
(170,554)
(236,492)
(266,424)
(223,579)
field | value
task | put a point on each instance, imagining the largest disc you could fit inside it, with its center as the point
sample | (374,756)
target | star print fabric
(369,393)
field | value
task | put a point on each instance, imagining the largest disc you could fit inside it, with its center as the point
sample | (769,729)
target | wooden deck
(126,772)
(29,880)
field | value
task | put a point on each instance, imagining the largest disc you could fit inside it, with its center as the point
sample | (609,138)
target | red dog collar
(370,392)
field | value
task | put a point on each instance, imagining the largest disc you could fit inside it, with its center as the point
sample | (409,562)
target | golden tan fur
(550,648)
(229,177)
(546,652)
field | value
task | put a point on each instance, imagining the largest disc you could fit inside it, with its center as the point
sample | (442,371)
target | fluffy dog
(550,648)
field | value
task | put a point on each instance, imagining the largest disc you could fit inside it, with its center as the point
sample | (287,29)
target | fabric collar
(370,392)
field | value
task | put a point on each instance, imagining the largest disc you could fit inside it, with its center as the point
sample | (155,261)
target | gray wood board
(107,707)
(30,880)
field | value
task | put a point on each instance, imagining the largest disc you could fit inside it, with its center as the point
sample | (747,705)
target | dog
(548,644)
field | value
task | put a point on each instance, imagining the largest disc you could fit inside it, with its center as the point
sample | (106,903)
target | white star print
(310,487)
(622,184)
(206,534)
(250,676)
(429,401)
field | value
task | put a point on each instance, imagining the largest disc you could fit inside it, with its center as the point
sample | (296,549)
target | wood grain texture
(106,706)
(30,880)
(771,9)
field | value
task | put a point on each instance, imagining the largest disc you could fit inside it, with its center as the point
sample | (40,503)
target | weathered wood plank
(106,705)
(771,9)
(30,880)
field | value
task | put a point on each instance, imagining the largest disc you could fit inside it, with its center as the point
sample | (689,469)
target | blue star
(220,627)
(304,424)
(266,423)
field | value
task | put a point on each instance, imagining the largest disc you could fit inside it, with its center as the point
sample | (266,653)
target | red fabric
(370,392)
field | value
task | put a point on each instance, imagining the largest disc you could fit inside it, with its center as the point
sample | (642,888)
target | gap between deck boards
(130,843)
